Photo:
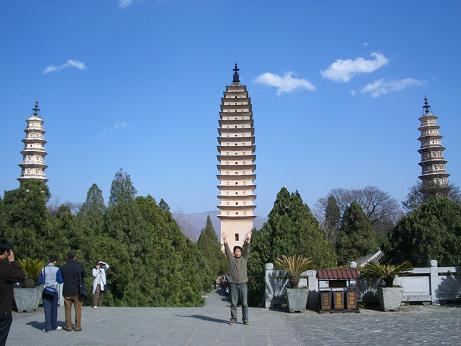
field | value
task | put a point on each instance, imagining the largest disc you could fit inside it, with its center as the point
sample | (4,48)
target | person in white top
(99,282)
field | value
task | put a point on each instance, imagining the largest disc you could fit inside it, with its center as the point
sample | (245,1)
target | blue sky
(337,88)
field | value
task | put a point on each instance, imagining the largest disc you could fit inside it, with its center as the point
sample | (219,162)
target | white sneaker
(58,328)
(95,307)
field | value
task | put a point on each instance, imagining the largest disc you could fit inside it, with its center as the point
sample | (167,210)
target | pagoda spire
(426,107)
(236,78)
(36,109)
(33,155)
(432,160)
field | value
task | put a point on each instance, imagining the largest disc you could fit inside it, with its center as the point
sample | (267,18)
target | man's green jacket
(238,267)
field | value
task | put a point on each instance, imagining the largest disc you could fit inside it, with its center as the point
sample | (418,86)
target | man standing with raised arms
(238,277)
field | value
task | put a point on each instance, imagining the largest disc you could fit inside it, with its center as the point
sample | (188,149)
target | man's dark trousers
(5,324)
(51,312)
(239,292)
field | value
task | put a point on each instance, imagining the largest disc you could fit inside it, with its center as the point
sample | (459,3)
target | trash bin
(325,300)
(352,299)
(338,299)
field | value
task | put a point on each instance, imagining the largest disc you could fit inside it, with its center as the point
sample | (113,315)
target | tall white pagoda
(236,163)
(33,164)
(432,159)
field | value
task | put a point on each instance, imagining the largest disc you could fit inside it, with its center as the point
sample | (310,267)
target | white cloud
(365,44)
(343,70)
(69,63)
(125,3)
(118,125)
(353,92)
(382,87)
(284,84)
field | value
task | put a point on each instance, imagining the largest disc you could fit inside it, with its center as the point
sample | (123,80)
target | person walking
(238,277)
(73,275)
(10,272)
(49,277)
(99,282)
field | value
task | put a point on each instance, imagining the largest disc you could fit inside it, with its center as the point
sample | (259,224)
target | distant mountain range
(192,224)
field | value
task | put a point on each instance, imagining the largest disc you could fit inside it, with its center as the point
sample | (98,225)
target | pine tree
(122,189)
(291,229)
(210,247)
(164,205)
(93,209)
(27,220)
(355,237)
(432,231)
(332,218)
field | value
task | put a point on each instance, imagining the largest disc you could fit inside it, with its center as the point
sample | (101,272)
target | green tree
(93,209)
(210,248)
(180,271)
(26,221)
(122,189)
(164,205)
(355,237)
(432,231)
(332,218)
(291,229)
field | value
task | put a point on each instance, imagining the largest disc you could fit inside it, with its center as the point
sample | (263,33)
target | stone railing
(430,284)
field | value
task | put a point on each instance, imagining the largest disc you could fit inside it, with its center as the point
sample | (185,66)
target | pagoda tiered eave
(250,148)
(33,177)
(425,136)
(440,174)
(236,176)
(432,160)
(233,130)
(437,147)
(251,197)
(240,166)
(236,217)
(236,139)
(250,187)
(428,116)
(32,164)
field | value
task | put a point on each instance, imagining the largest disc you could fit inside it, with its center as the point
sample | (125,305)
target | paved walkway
(414,325)
(159,326)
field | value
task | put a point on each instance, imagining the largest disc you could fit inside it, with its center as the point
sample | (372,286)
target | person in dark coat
(73,275)
(10,272)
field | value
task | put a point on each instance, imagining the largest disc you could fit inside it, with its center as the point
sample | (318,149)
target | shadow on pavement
(205,318)
(36,324)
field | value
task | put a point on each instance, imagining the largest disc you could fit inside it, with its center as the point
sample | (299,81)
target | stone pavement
(414,325)
(159,326)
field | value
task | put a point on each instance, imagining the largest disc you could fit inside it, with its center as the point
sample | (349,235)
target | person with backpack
(50,277)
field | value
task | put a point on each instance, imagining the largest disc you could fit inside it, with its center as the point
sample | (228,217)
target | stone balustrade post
(269,290)
(434,282)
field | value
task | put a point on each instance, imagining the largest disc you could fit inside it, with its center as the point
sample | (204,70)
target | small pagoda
(33,164)
(236,162)
(432,159)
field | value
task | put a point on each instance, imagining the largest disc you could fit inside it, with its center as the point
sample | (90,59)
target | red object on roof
(338,274)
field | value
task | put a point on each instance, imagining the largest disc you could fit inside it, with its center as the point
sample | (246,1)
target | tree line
(351,224)
(152,262)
